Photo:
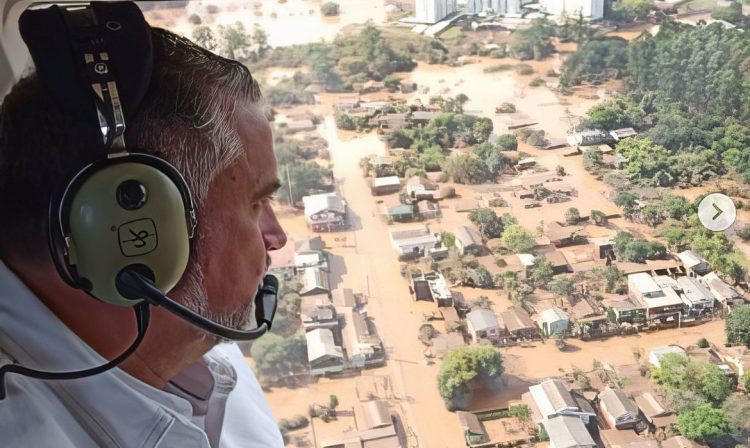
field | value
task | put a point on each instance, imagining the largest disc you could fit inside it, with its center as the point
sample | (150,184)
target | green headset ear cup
(106,237)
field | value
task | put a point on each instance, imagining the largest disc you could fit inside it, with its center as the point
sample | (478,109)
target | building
(323,355)
(628,311)
(619,411)
(418,188)
(474,432)
(561,236)
(402,213)
(325,212)
(653,412)
(551,399)
(519,324)
(373,427)
(482,324)
(314,281)
(362,346)
(698,300)
(317,311)
(585,138)
(568,432)
(553,322)
(413,242)
(615,438)
(663,304)
(557,260)
(433,11)
(307,254)
(385,185)
(620,134)
(468,240)
(431,286)
(724,294)
(657,353)
(498,7)
(589,9)
(428,210)
(282,262)
(694,264)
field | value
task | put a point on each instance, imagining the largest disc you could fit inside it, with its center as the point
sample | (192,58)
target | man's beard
(196,299)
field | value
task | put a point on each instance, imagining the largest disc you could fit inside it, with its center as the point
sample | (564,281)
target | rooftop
(690,259)
(568,432)
(482,319)
(321,202)
(320,344)
(467,236)
(553,314)
(517,319)
(386,181)
(617,403)
(644,283)
(551,397)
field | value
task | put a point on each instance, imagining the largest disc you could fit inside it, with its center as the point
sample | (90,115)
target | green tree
(702,423)
(618,112)
(234,40)
(540,272)
(304,178)
(507,142)
(731,13)
(534,42)
(598,217)
(203,36)
(520,411)
(517,239)
(448,239)
(737,326)
(466,369)
(329,9)
(275,355)
(466,169)
(478,277)
(344,121)
(562,287)
(572,215)
(594,61)
(592,159)
(487,221)
(737,410)
(632,9)
(628,248)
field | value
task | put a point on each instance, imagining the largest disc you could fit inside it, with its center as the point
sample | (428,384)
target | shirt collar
(116,405)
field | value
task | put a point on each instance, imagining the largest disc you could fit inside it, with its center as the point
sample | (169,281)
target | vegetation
(738,326)
(489,224)
(517,239)
(540,272)
(676,373)
(301,179)
(277,356)
(467,369)
(329,9)
(572,216)
(507,142)
(702,423)
(626,10)
(629,248)
(466,169)
(595,61)
(534,42)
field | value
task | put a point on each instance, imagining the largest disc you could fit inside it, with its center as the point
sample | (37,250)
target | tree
(702,423)
(466,169)
(487,221)
(632,9)
(303,179)
(737,326)
(737,411)
(677,373)
(521,412)
(534,42)
(329,9)
(562,287)
(484,302)
(333,401)
(260,38)
(540,272)
(507,142)
(731,13)
(203,36)
(478,277)
(594,60)
(467,369)
(275,355)
(618,112)
(572,216)
(345,122)
(448,239)
(592,159)
(517,239)
(628,248)
(598,217)
(234,40)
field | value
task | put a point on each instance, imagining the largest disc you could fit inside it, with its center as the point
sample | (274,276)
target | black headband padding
(53,44)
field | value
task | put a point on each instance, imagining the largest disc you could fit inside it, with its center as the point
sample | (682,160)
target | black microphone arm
(133,285)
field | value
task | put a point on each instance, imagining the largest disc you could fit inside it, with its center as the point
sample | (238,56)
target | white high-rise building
(591,9)
(433,11)
(500,7)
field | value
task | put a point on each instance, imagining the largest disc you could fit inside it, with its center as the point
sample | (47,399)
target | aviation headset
(120,230)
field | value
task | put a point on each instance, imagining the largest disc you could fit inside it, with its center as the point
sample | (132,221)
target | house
(619,411)
(402,213)
(317,311)
(568,432)
(371,426)
(519,324)
(698,300)
(323,355)
(418,188)
(413,242)
(654,413)
(588,9)
(314,281)
(553,321)
(300,126)
(626,310)
(325,212)
(433,11)
(282,262)
(428,210)
(525,163)
(588,138)
(373,106)
(586,318)
(372,86)
(657,353)
(385,185)
(468,240)
(562,236)
(362,346)
(391,121)
(620,134)
(613,161)
(694,264)
(347,102)
(309,258)
(482,324)
(662,304)
(474,433)
(551,399)
(431,286)
(344,297)
(724,294)
(420,117)
(615,438)
(557,260)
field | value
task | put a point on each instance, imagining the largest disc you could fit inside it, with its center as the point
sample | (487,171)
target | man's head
(201,114)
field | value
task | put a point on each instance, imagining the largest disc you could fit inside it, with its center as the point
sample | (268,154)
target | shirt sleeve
(248,420)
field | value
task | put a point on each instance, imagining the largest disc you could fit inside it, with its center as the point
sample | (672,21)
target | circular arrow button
(717,212)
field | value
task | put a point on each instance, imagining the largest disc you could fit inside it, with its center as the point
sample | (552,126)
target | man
(180,388)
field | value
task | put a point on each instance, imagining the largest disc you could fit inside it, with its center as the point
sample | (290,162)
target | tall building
(591,9)
(433,11)
(500,7)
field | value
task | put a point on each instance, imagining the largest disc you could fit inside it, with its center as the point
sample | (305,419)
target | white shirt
(216,402)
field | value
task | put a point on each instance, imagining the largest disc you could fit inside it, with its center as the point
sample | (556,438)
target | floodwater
(287,22)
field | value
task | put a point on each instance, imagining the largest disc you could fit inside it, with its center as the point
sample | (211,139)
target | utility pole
(289,186)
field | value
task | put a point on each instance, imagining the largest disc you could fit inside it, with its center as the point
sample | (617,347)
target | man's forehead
(257,139)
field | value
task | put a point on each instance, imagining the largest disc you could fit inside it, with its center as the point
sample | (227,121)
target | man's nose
(274,237)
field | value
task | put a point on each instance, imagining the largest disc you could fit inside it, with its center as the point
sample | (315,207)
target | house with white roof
(553,321)
(551,398)
(468,240)
(699,300)
(724,294)
(568,432)
(619,411)
(694,264)
(323,355)
(657,353)
(314,281)
(483,324)
(663,304)
(325,212)
(413,242)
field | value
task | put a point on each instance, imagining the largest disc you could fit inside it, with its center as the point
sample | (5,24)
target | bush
(509,142)
(524,69)
(465,369)
(572,216)
(329,9)
(195,19)
(537,82)
(702,423)
(299,421)
(702,343)
(744,232)
(497,68)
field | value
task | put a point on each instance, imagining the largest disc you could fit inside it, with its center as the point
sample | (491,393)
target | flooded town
(494,219)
